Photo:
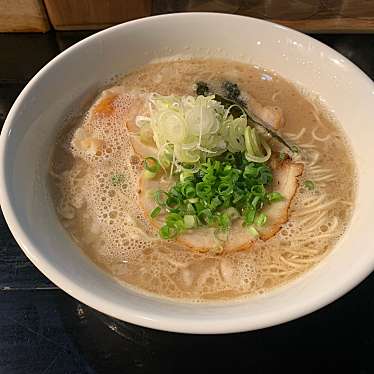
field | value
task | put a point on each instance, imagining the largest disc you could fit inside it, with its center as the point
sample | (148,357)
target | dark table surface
(43,330)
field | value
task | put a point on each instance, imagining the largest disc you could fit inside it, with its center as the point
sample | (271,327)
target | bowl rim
(148,318)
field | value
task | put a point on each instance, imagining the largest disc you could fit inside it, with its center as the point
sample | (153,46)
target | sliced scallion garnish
(253,232)
(160,197)
(217,192)
(155,212)
(190,221)
(151,165)
(261,219)
(309,185)
(274,197)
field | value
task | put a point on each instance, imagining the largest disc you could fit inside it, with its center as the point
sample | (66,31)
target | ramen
(204,180)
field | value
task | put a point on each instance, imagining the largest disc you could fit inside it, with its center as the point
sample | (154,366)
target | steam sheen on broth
(95,170)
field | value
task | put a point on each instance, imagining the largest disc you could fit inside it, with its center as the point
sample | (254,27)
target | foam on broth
(107,224)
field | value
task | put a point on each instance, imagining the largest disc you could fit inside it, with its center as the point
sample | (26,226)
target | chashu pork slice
(200,239)
(268,114)
(285,181)
(106,106)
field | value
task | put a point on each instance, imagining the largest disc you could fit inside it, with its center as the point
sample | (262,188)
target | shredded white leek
(189,129)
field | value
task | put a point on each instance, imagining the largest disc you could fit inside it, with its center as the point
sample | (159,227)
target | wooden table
(42,330)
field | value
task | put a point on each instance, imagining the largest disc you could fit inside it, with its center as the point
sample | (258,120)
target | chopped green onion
(226,202)
(232,213)
(155,212)
(172,203)
(250,171)
(176,221)
(199,206)
(193,200)
(175,191)
(190,209)
(160,197)
(225,189)
(282,156)
(209,178)
(186,175)
(172,218)
(203,190)
(205,215)
(256,201)
(215,203)
(295,149)
(216,192)
(188,190)
(261,219)
(309,185)
(151,165)
(253,232)
(168,232)
(266,177)
(226,170)
(274,197)
(258,190)
(224,221)
(149,174)
(237,197)
(229,157)
(249,215)
(190,221)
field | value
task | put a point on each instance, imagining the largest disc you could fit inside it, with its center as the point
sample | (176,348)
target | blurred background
(304,15)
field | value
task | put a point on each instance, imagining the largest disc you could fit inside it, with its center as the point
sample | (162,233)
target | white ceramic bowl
(60,87)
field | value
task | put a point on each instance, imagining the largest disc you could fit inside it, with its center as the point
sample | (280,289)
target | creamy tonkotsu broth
(94,176)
